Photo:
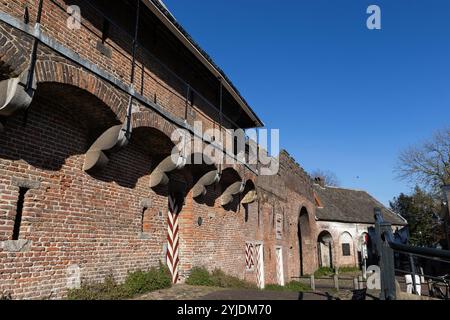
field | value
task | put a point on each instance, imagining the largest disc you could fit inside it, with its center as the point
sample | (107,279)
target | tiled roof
(346,205)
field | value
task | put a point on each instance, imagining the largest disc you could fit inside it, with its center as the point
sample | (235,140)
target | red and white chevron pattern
(173,239)
(250,263)
(259,266)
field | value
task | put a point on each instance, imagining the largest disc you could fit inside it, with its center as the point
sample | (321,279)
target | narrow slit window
(146,220)
(19,211)
(142,219)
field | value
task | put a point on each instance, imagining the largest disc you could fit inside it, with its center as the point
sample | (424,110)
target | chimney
(320,181)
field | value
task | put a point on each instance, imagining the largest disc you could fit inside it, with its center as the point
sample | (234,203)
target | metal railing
(387,249)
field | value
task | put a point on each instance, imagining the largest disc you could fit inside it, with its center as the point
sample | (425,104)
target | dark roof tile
(346,205)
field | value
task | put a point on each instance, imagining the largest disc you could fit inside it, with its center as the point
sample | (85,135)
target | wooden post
(336,281)
(355,283)
(361,282)
(312,283)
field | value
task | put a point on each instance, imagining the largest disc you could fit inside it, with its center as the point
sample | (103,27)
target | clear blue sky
(345,98)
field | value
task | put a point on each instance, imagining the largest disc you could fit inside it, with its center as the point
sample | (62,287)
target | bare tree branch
(427,164)
(329,177)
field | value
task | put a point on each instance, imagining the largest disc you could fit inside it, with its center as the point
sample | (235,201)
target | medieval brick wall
(284,196)
(69,217)
(14,52)
(111,222)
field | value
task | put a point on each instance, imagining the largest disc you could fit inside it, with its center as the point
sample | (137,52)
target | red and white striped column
(249,256)
(173,259)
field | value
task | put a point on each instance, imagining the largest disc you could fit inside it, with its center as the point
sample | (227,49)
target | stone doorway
(304,238)
(325,250)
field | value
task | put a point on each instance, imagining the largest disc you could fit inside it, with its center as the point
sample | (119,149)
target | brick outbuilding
(344,217)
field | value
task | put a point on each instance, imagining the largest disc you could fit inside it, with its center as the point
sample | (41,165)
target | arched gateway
(325,249)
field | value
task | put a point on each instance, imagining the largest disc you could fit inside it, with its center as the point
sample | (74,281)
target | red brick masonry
(111,221)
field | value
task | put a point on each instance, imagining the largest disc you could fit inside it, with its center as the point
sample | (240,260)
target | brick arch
(251,182)
(328,249)
(15,50)
(149,119)
(48,71)
(238,168)
(306,237)
(233,188)
(346,234)
(232,174)
(309,208)
(304,211)
(346,237)
(250,192)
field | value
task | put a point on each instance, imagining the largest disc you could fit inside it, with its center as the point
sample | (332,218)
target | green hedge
(142,282)
(136,283)
(327,272)
(324,272)
(348,269)
(200,276)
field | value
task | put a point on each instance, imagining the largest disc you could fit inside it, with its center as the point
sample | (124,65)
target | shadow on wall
(147,147)
(57,125)
(194,172)
(63,121)
(304,234)
(229,177)
(214,192)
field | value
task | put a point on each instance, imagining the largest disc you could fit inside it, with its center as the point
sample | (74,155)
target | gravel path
(185,292)
(243,295)
(179,292)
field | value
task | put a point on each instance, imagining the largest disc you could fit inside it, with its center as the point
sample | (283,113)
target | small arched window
(346,244)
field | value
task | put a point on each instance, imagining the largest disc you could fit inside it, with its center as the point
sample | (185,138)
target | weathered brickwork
(350,233)
(110,222)
(15,49)
(289,194)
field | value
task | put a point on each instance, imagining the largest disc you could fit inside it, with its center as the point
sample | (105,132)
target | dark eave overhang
(166,18)
(359,222)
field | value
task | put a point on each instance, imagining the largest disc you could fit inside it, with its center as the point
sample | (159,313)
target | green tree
(419,209)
